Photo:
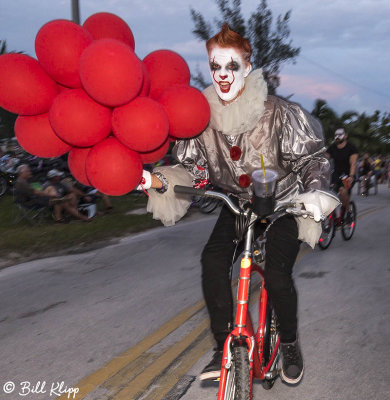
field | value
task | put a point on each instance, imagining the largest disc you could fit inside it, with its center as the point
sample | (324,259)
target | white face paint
(228,69)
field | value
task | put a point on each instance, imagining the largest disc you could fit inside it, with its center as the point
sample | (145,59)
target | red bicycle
(249,354)
(340,218)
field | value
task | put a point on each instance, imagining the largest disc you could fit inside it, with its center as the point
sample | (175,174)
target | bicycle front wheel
(349,225)
(238,377)
(327,234)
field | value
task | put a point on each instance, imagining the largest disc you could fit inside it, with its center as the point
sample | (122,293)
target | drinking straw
(263,167)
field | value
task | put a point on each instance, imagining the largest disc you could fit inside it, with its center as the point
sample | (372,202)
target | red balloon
(79,120)
(62,88)
(105,25)
(166,68)
(146,82)
(141,125)
(155,155)
(77,158)
(188,111)
(36,136)
(58,46)
(110,72)
(113,168)
(25,88)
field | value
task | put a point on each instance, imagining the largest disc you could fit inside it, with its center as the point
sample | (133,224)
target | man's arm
(156,183)
(352,165)
(41,193)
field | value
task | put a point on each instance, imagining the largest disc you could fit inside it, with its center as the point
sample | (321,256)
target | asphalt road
(128,321)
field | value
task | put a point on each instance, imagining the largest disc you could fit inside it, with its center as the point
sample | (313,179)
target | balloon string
(144,190)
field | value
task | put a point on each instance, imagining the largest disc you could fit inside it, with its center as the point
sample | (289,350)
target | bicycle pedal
(272,374)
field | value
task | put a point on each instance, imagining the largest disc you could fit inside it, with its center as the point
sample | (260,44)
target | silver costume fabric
(289,138)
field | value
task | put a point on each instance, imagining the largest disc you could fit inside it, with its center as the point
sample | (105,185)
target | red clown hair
(226,38)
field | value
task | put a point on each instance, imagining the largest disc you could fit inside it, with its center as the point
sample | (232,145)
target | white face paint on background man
(228,70)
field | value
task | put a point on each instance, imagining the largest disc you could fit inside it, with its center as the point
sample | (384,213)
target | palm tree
(328,117)
(370,133)
(3,47)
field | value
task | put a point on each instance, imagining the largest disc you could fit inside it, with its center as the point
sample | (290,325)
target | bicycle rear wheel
(349,225)
(327,235)
(238,377)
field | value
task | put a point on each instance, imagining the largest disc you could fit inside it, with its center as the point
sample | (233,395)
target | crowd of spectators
(61,193)
(48,183)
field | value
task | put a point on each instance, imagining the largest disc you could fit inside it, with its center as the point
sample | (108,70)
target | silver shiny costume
(290,140)
(228,151)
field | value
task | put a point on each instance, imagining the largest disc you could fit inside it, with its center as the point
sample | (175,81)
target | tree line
(272,48)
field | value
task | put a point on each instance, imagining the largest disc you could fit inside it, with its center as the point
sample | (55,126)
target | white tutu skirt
(169,207)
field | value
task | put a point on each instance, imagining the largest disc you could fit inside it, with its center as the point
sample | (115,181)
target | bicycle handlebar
(287,208)
(189,190)
(208,193)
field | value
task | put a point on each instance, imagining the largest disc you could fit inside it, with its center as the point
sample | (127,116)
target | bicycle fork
(243,332)
(243,329)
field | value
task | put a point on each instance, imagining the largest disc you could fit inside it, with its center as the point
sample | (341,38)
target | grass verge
(22,240)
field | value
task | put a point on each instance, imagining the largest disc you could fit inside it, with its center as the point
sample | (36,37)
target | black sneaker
(292,362)
(212,371)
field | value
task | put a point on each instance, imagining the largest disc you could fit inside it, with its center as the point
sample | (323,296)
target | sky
(345,44)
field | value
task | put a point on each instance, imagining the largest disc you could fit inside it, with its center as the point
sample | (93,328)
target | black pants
(282,247)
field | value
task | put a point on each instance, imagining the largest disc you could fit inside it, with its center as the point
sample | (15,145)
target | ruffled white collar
(244,113)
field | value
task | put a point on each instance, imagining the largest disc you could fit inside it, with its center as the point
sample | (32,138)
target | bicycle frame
(243,331)
(243,328)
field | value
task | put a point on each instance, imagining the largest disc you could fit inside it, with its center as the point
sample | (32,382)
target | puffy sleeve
(302,145)
(169,206)
(191,154)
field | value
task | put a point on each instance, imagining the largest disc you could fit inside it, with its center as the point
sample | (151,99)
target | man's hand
(320,204)
(315,210)
(146,181)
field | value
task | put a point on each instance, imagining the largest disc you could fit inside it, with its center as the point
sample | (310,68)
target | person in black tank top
(344,155)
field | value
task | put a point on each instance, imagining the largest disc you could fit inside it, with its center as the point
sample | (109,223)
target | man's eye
(234,66)
(214,67)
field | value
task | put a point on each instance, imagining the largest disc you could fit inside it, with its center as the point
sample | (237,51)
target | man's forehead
(225,54)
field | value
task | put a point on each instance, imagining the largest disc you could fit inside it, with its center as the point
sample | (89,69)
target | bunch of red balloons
(90,95)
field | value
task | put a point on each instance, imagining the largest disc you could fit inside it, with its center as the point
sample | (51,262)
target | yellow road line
(143,380)
(368,212)
(180,368)
(91,382)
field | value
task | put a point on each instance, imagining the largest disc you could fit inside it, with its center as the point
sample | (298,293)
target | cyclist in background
(344,155)
(379,168)
(365,173)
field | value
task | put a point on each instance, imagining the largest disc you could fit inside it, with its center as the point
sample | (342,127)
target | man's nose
(223,76)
